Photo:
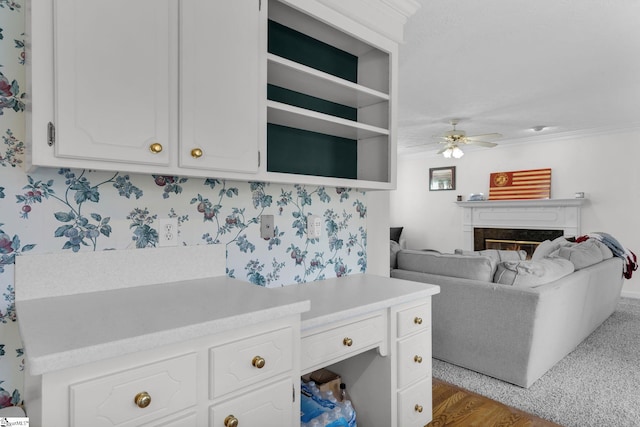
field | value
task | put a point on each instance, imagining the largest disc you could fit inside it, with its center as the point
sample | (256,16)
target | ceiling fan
(455,138)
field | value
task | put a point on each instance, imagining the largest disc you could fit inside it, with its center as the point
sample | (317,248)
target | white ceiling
(508,65)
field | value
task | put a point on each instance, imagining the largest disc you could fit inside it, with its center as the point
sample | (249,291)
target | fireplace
(519,221)
(512,238)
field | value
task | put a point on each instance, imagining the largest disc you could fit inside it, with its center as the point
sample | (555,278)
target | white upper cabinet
(112,80)
(291,91)
(149,86)
(220,84)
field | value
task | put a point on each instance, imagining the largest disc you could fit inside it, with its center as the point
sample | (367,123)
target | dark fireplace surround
(511,238)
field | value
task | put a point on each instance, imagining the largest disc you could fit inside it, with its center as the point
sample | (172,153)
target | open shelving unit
(329,101)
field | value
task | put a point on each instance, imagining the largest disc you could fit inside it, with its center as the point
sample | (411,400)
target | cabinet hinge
(259,4)
(258,158)
(51,134)
(293,394)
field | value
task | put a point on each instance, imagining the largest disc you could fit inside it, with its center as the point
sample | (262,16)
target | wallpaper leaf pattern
(75,210)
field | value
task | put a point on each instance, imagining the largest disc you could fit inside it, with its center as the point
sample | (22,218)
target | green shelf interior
(297,151)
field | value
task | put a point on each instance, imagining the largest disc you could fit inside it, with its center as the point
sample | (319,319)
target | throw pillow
(547,247)
(393,253)
(582,254)
(532,273)
(606,252)
(394,233)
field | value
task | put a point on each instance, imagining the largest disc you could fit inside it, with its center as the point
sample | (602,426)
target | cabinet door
(220,91)
(112,79)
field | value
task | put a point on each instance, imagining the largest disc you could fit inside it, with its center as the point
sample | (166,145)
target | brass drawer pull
(418,408)
(231,421)
(155,148)
(417,359)
(417,320)
(142,399)
(348,342)
(196,153)
(258,362)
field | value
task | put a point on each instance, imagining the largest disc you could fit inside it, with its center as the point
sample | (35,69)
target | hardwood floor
(457,407)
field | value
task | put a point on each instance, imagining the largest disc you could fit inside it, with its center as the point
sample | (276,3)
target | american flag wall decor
(520,185)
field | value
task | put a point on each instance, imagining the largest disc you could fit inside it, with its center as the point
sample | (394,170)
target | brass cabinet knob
(142,399)
(231,421)
(418,320)
(258,362)
(418,408)
(348,342)
(417,359)
(196,153)
(155,148)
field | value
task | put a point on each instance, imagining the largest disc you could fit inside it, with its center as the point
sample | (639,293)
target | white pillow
(532,273)
(547,247)
(582,254)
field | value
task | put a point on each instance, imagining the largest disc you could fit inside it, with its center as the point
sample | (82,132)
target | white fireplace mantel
(545,214)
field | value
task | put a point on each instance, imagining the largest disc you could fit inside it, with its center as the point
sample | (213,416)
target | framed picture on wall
(441,179)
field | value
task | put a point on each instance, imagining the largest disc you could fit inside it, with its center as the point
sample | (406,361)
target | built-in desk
(376,333)
(204,349)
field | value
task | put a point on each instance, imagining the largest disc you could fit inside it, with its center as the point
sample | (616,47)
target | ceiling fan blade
(443,150)
(481,143)
(485,136)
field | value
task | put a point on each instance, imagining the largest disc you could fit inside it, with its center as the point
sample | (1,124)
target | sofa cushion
(475,267)
(394,248)
(532,273)
(582,254)
(496,254)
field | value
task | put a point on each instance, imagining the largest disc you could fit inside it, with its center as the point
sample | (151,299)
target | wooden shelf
(300,78)
(300,118)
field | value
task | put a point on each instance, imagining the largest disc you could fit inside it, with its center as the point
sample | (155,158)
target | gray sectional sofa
(515,330)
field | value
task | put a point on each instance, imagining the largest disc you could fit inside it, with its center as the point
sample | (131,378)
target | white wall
(605,167)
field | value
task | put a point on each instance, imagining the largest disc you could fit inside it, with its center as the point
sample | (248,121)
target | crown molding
(386,17)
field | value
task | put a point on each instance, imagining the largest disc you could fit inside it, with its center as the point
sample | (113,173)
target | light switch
(266,227)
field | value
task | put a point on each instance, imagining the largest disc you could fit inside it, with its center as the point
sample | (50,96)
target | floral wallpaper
(79,210)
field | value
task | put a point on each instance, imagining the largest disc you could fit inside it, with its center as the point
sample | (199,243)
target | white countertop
(100,305)
(66,331)
(340,298)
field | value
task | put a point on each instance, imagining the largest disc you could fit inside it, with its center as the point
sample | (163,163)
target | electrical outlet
(168,232)
(314,227)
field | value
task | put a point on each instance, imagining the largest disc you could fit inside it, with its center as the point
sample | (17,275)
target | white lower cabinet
(414,404)
(267,406)
(249,373)
(414,364)
(135,395)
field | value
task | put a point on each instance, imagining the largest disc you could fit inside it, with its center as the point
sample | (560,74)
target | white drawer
(232,365)
(414,358)
(269,406)
(335,344)
(414,319)
(414,405)
(110,400)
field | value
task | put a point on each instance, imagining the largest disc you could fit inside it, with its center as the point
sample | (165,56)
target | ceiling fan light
(447,153)
(457,153)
